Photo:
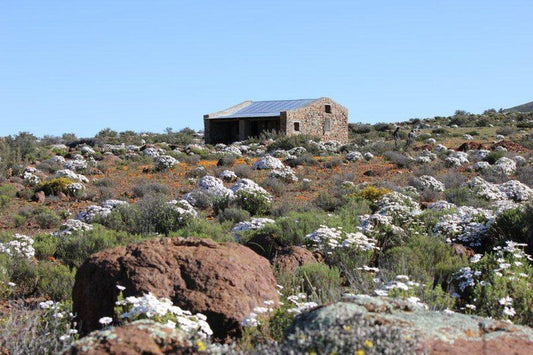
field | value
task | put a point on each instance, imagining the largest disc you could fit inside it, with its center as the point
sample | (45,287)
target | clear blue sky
(81,66)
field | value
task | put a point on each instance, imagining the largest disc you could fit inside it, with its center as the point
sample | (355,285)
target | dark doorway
(224,131)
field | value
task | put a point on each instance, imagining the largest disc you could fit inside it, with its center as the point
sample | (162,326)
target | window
(328,108)
(327,125)
(296,126)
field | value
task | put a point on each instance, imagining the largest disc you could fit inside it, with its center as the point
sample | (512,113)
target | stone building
(323,118)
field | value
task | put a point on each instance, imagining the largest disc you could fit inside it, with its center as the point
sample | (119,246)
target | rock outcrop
(436,332)
(139,337)
(224,281)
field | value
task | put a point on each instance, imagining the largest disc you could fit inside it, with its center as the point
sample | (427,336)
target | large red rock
(224,281)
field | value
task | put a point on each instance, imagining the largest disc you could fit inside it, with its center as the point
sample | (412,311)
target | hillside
(418,243)
(528,107)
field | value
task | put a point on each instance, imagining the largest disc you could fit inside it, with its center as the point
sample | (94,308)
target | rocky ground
(156,243)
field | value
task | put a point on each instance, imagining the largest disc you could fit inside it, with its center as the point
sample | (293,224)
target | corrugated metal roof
(268,108)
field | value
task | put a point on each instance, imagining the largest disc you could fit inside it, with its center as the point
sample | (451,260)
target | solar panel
(268,108)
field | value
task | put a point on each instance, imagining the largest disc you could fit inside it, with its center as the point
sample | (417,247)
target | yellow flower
(347,328)
(201,345)
(360,352)
(368,343)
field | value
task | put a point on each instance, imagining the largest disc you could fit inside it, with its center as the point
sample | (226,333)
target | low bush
(359,128)
(428,258)
(47,218)
(289,142)
(74,249)
(514,224)
(31,330)
(235,215)
(277,186)
(7,192)
(243,171)
(493,156)
(149,188)
(400,160)
(226,160)
(202,228)
(321,282)
(254,202)
(304,159)
(55,186)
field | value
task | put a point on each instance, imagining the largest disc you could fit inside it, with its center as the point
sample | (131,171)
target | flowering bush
(72,225)
(328,239)
(427,182)
(253,224)
(20,246)
(47,329)
(267,162)
(69,174)
(286,174)
(164,162)
(467,225)
(160,310)
(251,197)
(354,156)
(499,284)
(505,165)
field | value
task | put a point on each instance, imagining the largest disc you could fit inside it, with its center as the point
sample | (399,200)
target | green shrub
(74,249)
(462,196)
(400,160)
(254,202)
(7,192)
(427,258)
(514,224)
(382,127)
(150,215)
(304,159)
(328,202)
(500,286)
(289,142)
(359,128)
(320,281)
(45,246)
(493,156)
(47,218)
(275,185)
(202,228)
(235,215)
(440,131)
(55,281)
(149,188)
(29,330)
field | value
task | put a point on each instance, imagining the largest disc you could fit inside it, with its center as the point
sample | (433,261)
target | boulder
(39,197)
(289,258)
(139,337)
(466,146)
(510,146)
(435,332)
(463,251)
(224,281)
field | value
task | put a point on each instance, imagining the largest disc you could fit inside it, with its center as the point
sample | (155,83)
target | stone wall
(313,120)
